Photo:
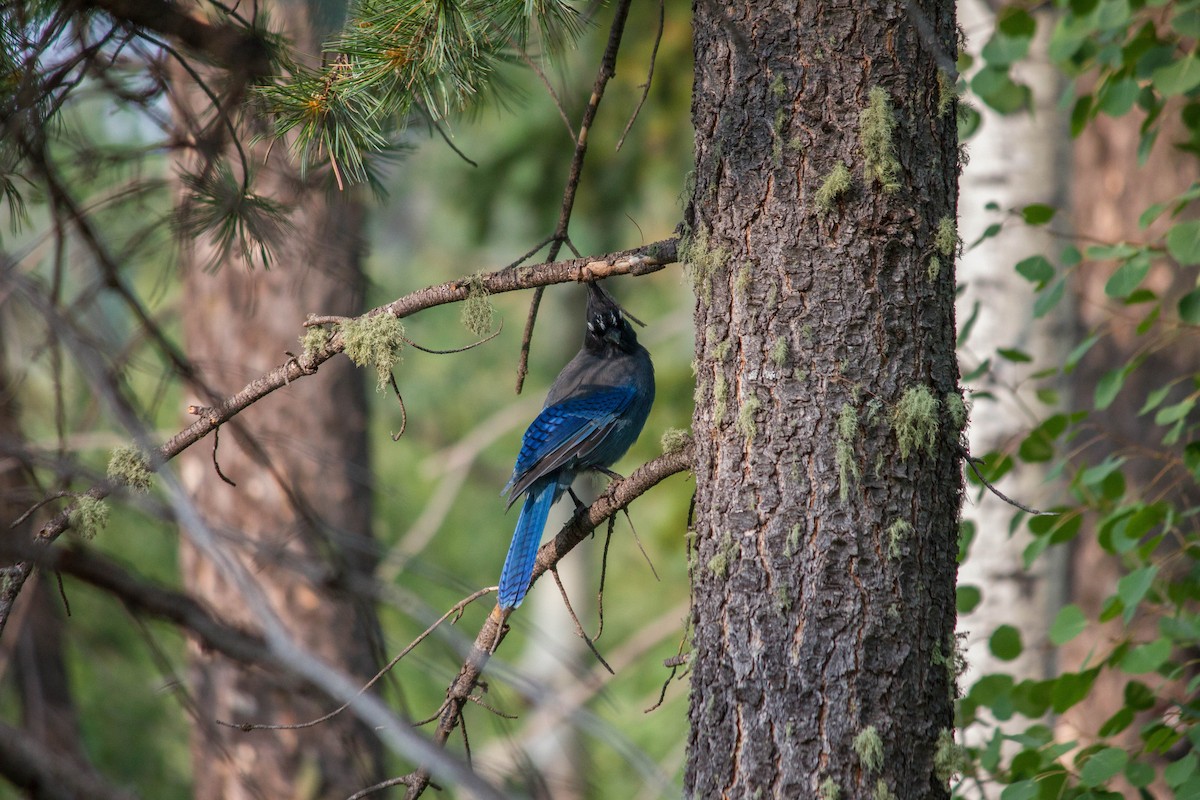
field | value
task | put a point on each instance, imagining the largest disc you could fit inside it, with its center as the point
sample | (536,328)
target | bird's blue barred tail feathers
(522,552)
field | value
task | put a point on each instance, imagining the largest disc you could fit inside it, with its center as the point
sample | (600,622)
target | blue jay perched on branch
(593,413)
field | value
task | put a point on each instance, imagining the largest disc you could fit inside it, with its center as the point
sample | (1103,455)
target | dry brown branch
(618,495)
(608,68)
(638,261)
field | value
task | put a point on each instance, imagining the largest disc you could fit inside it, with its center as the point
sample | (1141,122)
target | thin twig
(216,464)
(649,75)
(575,619)
(608,65)
(457,608)
(403,411)
(974,462)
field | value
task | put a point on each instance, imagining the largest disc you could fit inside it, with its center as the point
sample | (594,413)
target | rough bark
(299,518)
(824,584)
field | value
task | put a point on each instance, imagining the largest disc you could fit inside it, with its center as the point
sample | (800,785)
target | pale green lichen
(783,600)
(897,532)
(702,261)
(848,469)
(877,123)
(946,238)
(956,410)
(779,352)
(314,341)
(933,269)
(88,516)
(128,465)
(722,349)
(778,87)
(375,340)
(745,418)
(836,184)
(722,560)
(772,298)
(869,747)
(477,310)
(791,545)
(741,282)
(915,420)
(796,144)
(950,758)
(829,790)
(675,439)
(881,791)
(946,93)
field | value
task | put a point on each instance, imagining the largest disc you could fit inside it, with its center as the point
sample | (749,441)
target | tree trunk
(828,412)
(299,518)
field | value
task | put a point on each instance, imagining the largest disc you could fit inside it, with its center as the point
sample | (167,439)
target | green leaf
(1108,386)
(1021,790)
(1155,398)
(1146,657)
(997,89)
(1038,214)
(1004,49)
(1132,588)
(1005,643)
(1117,97)
(1036,269)
(1183,242)
(1179,77)
(1128,276)
(1103,766)
(1081,349)
(1069,623)
(1070,688)
(1189,307)
(968,598)
(1014,355)
(1047,300)
(1179,771)
(1175,412)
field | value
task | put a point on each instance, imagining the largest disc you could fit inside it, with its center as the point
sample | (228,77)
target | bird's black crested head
(607,327)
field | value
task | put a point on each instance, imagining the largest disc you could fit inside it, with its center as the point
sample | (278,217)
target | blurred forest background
(1078,350)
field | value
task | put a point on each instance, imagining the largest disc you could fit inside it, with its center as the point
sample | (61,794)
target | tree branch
(226,45)
(638,261)
(47,775)
(617,497)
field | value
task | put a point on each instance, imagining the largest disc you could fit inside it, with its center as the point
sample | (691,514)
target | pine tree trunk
(825,542)
(299,519)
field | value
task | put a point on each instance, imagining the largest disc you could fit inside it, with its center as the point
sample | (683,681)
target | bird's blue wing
(567,430)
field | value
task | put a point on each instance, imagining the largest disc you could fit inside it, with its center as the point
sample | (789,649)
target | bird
(595,410)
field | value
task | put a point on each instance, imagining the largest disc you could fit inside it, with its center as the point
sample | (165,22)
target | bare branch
(618,495)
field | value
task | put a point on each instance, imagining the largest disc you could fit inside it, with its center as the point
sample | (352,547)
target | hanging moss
(376,340)
(877,123)
(88,516)
(128,465)
(723,559)
(869,747)
(477,310)
(830,790)
(848,469)
(314,341)
(701,262)
(836,184)
(675,439)
(950,758)
(946,238)
(915,420)
(745,419)
(897,532)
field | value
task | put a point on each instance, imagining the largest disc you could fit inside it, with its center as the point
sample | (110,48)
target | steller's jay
(593,413)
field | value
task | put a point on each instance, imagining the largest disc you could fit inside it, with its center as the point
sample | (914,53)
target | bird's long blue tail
(522,553)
